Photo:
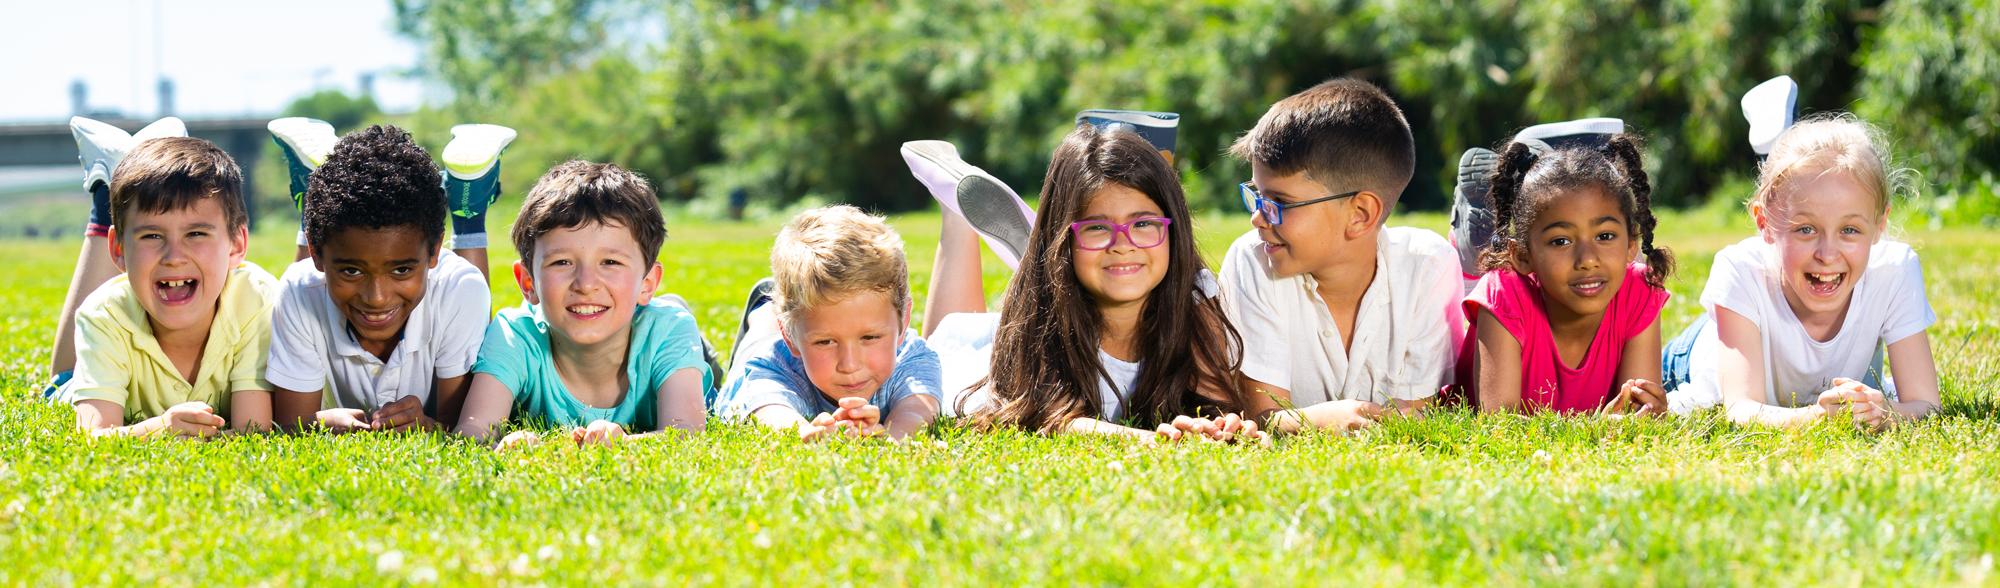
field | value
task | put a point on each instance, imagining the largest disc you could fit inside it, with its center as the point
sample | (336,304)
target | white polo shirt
(312,348)
(1406,331)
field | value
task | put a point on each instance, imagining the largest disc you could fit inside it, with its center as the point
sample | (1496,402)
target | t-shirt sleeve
(918,373)
(678,348)
(762,381)
(298,357)
(1736,281)
(464,320)
(1910,309)
(503,353)
(103,360)
(1639,303)
(253,357)
(1439,323)
(1246,292)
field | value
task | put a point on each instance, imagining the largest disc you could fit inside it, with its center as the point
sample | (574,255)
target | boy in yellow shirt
(177,343)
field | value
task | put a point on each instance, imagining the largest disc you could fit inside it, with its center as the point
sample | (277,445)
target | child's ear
(1762,217)
(785,335)
(651,284)
(1367,214)
(116,243)
(526,280)
(239,245)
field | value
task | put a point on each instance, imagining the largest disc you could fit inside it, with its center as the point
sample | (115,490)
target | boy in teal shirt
(590,350)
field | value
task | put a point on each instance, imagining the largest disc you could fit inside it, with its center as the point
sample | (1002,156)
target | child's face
(1578,248)
(1822,232)
(589,281)
(178,262)
(1122,273)
(376,279)
(1310,237)
(849,344)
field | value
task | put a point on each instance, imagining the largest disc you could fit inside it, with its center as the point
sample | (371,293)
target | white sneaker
(1770,107)
(166,127)
(475,149)
(305,143)
(100,146)
(1592,132)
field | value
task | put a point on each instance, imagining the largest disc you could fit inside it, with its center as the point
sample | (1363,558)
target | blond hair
(1828,144)
(826,254)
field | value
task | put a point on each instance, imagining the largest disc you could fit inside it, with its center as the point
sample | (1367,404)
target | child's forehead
(1118,200)
(592,235)
(196,211)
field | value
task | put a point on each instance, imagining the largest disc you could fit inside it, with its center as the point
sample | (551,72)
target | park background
(803,103)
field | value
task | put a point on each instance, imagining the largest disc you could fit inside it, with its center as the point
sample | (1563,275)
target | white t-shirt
(964,344)
(312,348)
(1888,305)
(1406,331)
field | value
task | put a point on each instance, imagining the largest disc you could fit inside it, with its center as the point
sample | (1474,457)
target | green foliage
(337,108)
(805,99)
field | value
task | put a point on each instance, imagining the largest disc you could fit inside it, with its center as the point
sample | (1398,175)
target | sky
(226,57)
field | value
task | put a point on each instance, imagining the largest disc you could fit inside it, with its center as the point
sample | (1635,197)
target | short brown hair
(172,173)
(825,254)
(578,193)
(1344,133)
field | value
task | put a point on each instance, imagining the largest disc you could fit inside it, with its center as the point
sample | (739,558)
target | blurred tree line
(791,99)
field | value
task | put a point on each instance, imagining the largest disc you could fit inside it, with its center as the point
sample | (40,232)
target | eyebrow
(1565,224)
(393,262)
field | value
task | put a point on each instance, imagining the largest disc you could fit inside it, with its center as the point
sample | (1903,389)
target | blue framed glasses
(1274,211)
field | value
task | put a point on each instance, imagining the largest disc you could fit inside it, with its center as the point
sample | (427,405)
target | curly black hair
(375,178)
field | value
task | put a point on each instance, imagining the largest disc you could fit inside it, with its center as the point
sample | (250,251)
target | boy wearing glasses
(1341,317)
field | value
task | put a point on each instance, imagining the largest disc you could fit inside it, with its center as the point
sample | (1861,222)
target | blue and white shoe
(100,146)
(1158,128)
(1771,107)
(1584,132)
(305,143)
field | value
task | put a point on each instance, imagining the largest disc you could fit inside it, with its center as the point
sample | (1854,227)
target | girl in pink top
(1564,318)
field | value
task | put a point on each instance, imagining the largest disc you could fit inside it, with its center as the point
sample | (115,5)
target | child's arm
(251,409)
(188,419)
(1339,415)
(1916,377)
(487,404)
(910,414)
(680,403)
(1090,426)
(1497,360)
(1740,374)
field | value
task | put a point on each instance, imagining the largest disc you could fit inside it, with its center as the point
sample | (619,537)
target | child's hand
(519,440)
(191,419)
(1229,428)
(865,418)
(598,432)
(1868,407)
(403,415)
(341,420)
(1348,415)
(1639,397)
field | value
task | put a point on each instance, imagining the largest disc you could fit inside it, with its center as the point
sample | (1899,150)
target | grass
(1453,499)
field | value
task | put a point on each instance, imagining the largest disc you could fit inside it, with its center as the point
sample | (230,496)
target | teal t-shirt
(665,340)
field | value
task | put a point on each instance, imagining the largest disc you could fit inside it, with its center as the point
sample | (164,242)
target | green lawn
(1450,499)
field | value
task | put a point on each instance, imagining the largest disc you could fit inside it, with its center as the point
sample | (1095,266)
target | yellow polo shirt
(118,360)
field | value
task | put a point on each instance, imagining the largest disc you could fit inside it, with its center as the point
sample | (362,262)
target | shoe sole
(990,208)
(758,292)
(475,152)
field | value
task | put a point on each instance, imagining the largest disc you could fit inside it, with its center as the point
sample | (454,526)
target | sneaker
(999,215)
(1771,108)
(1586,132)
(760,295)
(1158,128)
(1472,210)
(472,167)
(165,127)
(305,142)
(99,147)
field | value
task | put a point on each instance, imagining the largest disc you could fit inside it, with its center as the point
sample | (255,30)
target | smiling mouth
(176,291)
(1587,288)
(1825,283)
(376,319)
(587,311)
(1124,269)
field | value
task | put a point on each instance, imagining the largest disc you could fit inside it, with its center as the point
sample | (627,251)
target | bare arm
(251,410)
(911,414)
(1916,377)
(191,419)
(1740,374)
(296,411)
(1497,361)
(448,395)
(680,402)
(487,405)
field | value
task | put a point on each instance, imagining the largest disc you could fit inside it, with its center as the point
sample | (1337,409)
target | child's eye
(402,271)
(1607,236)
(1146,224)
(558,262)
(1095,229)
(154,236)
(823,343)
(349,272)
(193,234)
(1559,242)
(1851,230)
(611,262)
(1806,230)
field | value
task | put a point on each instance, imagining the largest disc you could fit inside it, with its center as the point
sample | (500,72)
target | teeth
(587,309)
(176,283)
(1824,277)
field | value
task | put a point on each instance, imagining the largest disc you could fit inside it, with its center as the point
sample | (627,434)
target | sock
(100,212)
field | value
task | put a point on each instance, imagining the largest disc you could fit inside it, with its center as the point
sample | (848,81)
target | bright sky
(226,57)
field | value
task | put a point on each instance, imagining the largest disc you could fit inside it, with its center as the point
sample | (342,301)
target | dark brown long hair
(1045,369)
